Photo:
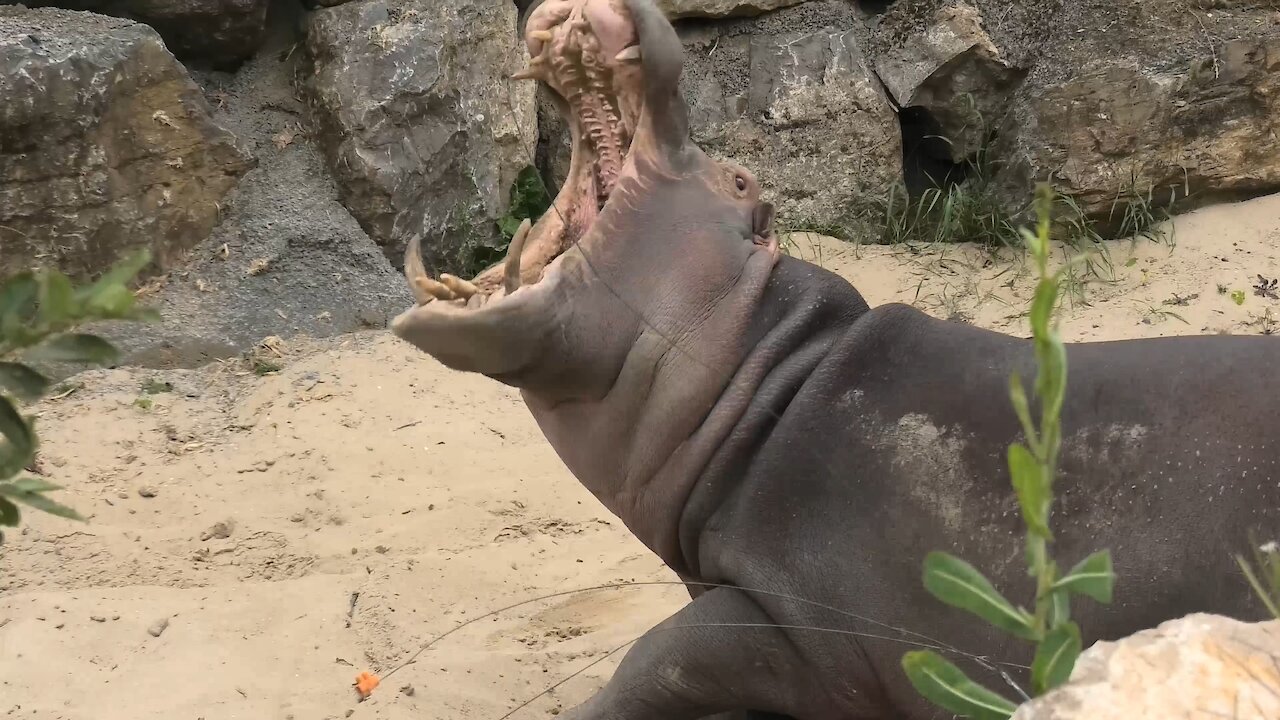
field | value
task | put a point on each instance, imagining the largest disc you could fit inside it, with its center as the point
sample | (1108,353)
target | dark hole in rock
(875,7)
(926,154)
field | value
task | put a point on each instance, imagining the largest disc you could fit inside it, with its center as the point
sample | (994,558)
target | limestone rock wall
(305,133)
(106,144)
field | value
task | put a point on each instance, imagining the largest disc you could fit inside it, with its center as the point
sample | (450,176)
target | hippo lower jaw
(588,52)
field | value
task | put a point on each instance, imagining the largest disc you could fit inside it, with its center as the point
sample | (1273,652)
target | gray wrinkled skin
(756,425)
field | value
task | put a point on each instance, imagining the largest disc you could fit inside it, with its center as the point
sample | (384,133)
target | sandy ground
(296,528)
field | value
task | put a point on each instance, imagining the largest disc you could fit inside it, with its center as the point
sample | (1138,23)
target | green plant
(529,199)
(972,211)
(1263,573)
(38,311)
(1032,467)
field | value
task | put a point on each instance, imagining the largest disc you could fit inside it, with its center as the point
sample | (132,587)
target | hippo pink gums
(755,424)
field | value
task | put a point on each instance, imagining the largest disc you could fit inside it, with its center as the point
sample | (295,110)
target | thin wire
(655,631)
(932,643)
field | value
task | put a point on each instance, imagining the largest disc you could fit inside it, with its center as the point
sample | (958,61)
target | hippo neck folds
(624,313)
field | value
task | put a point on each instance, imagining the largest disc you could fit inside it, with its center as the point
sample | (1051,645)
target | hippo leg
(692,666)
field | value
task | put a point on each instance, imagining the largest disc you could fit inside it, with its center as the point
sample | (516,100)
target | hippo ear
(662,57)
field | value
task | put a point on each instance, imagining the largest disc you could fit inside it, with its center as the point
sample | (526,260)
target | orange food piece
(365,683)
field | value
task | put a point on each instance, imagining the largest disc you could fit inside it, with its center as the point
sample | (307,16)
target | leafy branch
(39,310)
(1032,467)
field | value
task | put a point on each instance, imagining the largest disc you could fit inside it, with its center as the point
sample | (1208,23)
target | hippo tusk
(462,288)
(415,271)
(511,275)
(628,54)
(543,35)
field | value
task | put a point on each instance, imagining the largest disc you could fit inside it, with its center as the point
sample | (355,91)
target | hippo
(794,454)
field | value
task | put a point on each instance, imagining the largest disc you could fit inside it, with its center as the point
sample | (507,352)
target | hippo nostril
(762,219)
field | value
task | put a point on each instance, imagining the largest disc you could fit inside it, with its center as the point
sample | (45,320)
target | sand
(296,528)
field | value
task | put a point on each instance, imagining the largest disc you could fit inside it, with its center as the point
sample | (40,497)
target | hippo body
(757,426)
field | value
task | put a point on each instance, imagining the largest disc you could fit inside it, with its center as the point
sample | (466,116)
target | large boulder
(1132,100)
(1200,666)
(940,59)
(721,8)
(287,258)
(106,144)
(223,32)
(1184,129)
(422,127)
(791,96)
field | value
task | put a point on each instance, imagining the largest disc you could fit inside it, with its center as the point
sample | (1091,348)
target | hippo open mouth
(588,52)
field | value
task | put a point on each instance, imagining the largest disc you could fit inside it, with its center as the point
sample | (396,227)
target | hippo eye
(741,182)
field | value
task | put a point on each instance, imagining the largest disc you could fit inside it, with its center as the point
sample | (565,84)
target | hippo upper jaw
(614,67)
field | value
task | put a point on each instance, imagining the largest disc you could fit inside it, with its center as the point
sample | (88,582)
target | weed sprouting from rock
(1032,467)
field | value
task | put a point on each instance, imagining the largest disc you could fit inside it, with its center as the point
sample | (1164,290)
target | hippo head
(646,231)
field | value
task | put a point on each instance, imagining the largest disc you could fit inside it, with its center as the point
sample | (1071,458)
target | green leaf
(111,302)
(57,298)
(1032,491)
(1259,588)
(75,347)
(1055,658)
(22,382)
(1092,576)
(1042,305)
(959,584)
(119,276)
(1018,395)
(20,442)
(17,305)
(17,293)
(1059,608)
(31,484)
(947,686)
(9,514)
(35,499)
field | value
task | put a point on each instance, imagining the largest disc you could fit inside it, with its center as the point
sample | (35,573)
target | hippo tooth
(543,35)
(628,54)
(462,288)
(511,269)
(433,288)
(526,74)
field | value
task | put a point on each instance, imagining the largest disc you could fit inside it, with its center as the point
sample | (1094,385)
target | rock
(323,272)
(98,618)
(721,8)
(1196,666)
(105,144)
(218,531)
(147,491)
(1118,129)
(158,627)
(944,62)
(421,125)
(1139,100)
(224,32)
(790,96)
